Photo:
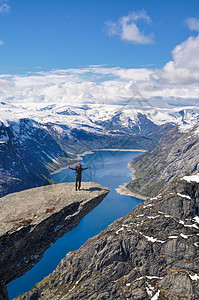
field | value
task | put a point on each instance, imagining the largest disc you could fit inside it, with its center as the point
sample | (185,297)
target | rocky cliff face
(152,253)
(32,220)
(26,149)
(176,154)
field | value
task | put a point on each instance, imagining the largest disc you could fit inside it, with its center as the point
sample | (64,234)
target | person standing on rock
(78,170)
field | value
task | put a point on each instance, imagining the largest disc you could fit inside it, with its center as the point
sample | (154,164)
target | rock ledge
(32,220)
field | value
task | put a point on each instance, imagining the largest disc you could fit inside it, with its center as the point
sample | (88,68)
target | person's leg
(76,183)
(80,181)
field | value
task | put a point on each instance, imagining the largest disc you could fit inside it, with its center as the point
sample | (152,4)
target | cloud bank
(127,28)
(177,80)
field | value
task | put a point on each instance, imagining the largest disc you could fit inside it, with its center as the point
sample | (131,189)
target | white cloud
(184,68)
(178,79)
(4,7)
(1,43)
(127,28)
(192,23)
(6,83)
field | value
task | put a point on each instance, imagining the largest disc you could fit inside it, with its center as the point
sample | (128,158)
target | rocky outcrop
(176,154)
(32,220)
(152,253)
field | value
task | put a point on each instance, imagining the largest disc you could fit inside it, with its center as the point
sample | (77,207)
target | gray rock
(32,220)
(153,251)
(176,154)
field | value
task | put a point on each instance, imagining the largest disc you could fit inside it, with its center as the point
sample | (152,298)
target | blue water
(108,168)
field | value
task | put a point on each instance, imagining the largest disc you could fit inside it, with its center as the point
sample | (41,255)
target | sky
(98,51)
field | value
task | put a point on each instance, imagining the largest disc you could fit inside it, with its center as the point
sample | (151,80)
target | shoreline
(122,150)
(123,190)
(80,155)
(77,158)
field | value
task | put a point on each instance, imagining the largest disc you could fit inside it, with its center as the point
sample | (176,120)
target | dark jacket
(78,171)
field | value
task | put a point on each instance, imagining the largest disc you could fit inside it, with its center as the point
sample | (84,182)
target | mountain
(176,155)
(25,151)
(152,253)
(37,138)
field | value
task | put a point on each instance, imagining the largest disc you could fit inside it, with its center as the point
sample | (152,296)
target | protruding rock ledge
(32,220)
(152,253)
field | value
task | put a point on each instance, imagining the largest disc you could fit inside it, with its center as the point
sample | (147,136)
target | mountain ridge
(175,155)
(151,253)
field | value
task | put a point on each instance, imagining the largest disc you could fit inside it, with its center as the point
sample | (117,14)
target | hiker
(78,170)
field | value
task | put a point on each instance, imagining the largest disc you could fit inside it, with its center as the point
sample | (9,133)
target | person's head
(79,166)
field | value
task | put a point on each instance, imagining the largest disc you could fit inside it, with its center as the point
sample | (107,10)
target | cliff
(27,151)
(176,154)
(32,220)
(152,253)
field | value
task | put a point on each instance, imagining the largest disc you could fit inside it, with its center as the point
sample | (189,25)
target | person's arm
(72,168)
(86,168)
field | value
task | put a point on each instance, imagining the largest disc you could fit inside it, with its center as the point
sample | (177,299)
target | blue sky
(49,34)
(106,51)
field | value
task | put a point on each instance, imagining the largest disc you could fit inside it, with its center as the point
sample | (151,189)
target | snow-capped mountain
(26,149)
(36,136)
(95,117)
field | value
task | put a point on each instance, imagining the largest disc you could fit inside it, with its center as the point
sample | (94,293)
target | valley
(139,250)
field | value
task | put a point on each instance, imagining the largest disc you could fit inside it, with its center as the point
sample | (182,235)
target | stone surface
(152,253)
(32,220)
(176,155)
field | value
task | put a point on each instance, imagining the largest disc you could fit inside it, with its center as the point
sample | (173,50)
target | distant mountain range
(36,138)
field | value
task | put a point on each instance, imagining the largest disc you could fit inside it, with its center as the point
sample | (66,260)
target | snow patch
(194,277)
(148,205)
(192,178)
(154,277)
(128,284)
(149,291)
(152,217)
(156,296)
(117,232)
(184,236)
(153,240)
(72,289)
(184,196)
(196,219)
(193,226)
